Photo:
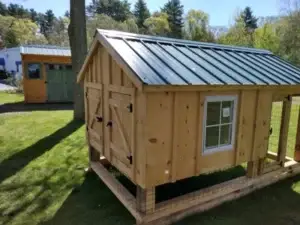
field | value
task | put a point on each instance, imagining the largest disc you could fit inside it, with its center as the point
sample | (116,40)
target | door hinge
(289,98)
(130,159)
(86,94)
(130,107)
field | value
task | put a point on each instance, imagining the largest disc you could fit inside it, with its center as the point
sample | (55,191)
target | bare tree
(78,43)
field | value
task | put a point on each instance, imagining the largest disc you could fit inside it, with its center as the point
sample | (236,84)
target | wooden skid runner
(175,209)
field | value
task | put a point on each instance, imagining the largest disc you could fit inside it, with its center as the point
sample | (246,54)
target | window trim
(219,98)
(41,71)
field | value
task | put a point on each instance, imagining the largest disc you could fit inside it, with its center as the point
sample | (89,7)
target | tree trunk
(78,43)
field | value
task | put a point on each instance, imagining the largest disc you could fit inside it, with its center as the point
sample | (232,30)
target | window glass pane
(212,137)
(227,112)
(33,71)
(213,113)
(225,138)
(68,67)
(51,67)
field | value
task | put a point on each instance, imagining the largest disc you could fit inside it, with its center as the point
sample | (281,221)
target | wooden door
(94,116)
(55,83)
(122,131)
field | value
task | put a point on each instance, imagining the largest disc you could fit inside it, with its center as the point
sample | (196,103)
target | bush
(16,82)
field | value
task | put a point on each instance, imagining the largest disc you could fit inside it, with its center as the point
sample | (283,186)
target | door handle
(109,124)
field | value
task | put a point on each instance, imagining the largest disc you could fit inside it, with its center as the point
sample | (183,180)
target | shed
(161,110)
(47,74)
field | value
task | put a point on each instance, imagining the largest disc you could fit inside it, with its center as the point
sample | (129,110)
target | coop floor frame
(146,212)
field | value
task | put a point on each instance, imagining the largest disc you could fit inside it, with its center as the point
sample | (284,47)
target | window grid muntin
(231,135)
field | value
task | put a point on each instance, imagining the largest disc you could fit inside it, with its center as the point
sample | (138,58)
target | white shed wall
(11,56)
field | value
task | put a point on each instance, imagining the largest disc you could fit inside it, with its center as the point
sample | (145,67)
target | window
(219,123)
(34,71)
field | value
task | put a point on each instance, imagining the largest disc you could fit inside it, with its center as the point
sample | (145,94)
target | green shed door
(60,82)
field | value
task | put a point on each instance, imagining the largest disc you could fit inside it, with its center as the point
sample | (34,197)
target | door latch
(99,119)
(109,124)
(130,107)
(130,159)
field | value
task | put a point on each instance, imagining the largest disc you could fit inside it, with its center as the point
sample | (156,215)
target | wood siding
(120,124)
(35,90)
(163,132)
(174,130)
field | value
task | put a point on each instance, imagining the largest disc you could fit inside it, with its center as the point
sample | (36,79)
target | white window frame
(219,98)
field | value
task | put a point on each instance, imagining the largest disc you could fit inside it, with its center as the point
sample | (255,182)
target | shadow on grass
(19,160)
(22,107)
(93,203)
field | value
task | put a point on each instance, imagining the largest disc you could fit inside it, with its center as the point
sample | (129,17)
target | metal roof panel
(50,50)
(167,61)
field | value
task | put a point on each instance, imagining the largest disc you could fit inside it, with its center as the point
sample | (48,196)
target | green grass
(10,97)
(42,157)
(275,124)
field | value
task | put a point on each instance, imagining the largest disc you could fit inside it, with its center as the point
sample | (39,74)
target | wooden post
(252,169)
(297,146)
(145,199)
(284,130)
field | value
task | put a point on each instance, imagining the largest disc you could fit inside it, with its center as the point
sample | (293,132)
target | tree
(33,15)
(174,10)
(15,32)
(236,34)
(3,9)
(196,26)
(78,43)
(102,21)
(119,10)
(158,24)
(141,12)
(17,11)
(59,35)
(49,20)
(250,22)
(67,14)
(266,37)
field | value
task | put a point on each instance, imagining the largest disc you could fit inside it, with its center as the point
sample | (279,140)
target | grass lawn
(42,157)
(10,97)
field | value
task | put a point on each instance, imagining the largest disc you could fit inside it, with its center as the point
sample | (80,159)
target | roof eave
(100,38)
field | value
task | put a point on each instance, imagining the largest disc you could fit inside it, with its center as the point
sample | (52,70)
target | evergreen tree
(174,9)
(3,9)
(141,12)
(49,19)
(67,14)
(119,10)
(33,15)
(250,22)
(17,11)
(249,19)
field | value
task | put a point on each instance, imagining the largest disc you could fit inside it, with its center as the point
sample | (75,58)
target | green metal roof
(50,50)
(166,61)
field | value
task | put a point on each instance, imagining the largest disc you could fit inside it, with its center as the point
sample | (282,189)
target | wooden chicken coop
(161,110)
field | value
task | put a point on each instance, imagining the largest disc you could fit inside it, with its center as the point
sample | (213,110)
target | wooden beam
(145,199)
(274,156)
(284,130)
(297,145)
(176,209)
(118,189)
(121,89)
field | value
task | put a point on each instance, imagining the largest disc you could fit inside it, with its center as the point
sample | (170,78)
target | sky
(221,11)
